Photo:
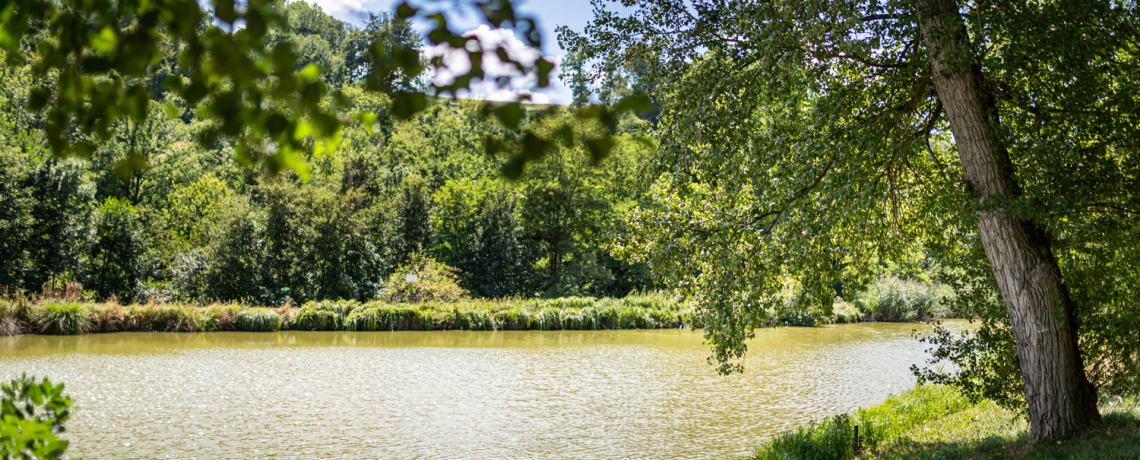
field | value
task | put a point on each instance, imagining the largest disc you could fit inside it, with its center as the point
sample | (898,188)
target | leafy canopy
(90,58)
(799,139)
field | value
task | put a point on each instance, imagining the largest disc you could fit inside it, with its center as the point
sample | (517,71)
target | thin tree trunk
(1060,398)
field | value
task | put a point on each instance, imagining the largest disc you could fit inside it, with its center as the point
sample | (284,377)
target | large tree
(795,133)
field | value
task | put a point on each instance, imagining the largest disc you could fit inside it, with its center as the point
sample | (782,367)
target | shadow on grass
(988,432)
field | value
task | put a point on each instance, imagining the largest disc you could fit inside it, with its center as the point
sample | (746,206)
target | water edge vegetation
(936,421)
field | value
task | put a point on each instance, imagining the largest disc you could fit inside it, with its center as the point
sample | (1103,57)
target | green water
(533,394)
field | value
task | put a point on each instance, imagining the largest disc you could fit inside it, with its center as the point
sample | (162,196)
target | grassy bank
(62,313)
(64,317)
(935,422)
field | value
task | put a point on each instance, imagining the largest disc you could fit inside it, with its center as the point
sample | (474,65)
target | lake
(509,394)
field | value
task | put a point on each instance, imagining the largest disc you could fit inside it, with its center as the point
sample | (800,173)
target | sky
(548,13)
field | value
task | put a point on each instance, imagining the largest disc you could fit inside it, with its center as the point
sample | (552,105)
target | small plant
(32,415)
(62,318)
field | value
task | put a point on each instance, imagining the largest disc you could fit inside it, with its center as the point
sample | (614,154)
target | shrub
(62,318)
(893,299)
(845,312)
(113,255)
(435,282)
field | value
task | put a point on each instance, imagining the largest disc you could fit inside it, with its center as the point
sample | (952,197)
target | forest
(193,223)
(261,166)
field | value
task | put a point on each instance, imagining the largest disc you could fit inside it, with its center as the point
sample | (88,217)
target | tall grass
(569,313)
(10,323)
(894,299)
(61,317)
(832,439)
(257,320)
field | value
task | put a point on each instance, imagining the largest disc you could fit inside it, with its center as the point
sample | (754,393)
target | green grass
(571,313)
(257,320)
(61,317)
(935,422)
(986,432)
(568,313)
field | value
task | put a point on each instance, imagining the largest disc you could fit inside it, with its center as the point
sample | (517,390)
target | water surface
(525,394)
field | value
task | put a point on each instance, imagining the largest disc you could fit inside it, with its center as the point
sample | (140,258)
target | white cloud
(489,40)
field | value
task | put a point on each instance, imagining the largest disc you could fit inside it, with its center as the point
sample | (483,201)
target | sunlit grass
(61,317)
(258,320)
(934,422)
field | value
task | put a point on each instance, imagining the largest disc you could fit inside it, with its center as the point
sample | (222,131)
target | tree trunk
(1060,398)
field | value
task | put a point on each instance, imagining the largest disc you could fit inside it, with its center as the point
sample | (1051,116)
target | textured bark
(1060,398)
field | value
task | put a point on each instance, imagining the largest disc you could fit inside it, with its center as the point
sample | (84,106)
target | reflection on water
(553,394)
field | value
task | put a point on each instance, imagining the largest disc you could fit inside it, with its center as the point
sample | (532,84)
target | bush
(62,318)
(435,282)
(31,416)
(893,299)
(845,312)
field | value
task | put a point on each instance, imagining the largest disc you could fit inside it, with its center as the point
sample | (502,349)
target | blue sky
(549,14)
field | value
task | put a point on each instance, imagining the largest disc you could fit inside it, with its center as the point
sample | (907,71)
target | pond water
(534,394)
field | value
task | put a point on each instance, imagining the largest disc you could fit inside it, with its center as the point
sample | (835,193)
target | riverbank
(69,316)
(63,317)
(933,421)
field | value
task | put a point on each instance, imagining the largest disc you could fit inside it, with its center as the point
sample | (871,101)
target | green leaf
(510,114)
(105,41)
(513,168)
(310,72)
(599,148)
(406,104)
(633,103)
(405,11)
(126,168)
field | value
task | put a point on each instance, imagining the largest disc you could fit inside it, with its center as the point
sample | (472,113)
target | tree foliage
(798,138)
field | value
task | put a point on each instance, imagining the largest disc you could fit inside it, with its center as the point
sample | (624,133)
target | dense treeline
(154,215)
